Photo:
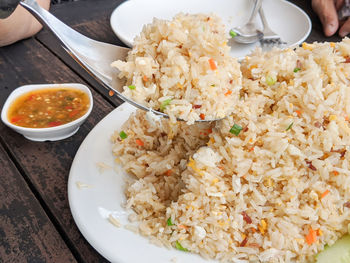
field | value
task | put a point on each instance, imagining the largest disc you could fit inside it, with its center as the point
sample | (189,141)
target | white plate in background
(285,18)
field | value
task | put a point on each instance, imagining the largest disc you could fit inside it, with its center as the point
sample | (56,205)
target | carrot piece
(298,112)
(182,226)
(111,93)
(325,193)
(145,79)
(311,237)
(139,142)
(251,149)
(228,92)
(335,173)
(347,118)
(212,64)
(202,116)
(169,172)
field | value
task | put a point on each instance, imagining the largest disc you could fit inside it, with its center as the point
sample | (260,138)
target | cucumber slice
(338,253)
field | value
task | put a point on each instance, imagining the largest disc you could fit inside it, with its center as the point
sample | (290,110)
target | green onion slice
(169,223)
(296,70)
(235,129)
(164,104)
(270,80)
(132,87)
(123,135)
(290,126)
(180,247)
(233,33)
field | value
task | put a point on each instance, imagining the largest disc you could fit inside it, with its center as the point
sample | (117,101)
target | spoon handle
(257,5)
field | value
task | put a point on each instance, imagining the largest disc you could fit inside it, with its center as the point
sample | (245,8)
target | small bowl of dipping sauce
(47,112)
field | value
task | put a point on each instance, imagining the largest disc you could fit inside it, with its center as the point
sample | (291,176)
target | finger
(325,9)
(338,4)
(345,29)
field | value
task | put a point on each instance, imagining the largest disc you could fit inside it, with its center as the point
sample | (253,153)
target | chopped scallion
(132,87)
(270,80)
(164,104)
(233,33)
(180,247)
(169,222)
(123,135)
(296,70)
(235,129)
(290,126)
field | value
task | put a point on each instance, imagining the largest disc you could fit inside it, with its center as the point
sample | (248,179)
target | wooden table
(36,224)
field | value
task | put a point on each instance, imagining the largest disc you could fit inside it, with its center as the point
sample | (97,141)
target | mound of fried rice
(270,183)
(183,68)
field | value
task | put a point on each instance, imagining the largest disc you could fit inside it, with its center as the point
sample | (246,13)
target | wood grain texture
(26,233)
(47,164)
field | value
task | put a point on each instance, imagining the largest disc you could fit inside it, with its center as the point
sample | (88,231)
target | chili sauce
(46,108)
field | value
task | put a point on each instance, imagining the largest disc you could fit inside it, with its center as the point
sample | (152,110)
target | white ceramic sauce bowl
(52,133)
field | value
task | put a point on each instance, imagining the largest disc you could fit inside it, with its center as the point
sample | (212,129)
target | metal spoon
(94,56)
(249,33)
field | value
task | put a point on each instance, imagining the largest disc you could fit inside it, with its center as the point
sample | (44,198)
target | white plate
(102,193)
(286,19)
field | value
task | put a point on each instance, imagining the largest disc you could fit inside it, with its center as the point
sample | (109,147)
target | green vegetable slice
(164,104)
(337,253)
(233,33)
(296,70)
(235,129)
(169,222)
(290,126)
(180,247)
(270,80)
(132,87)
(123,135)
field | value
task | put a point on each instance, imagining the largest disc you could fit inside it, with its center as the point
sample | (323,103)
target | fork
(270,38)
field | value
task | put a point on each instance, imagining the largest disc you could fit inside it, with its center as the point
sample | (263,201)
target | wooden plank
(26,233)
(90,19)
(47,164)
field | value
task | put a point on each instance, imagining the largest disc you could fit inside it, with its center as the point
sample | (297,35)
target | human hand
(327,12)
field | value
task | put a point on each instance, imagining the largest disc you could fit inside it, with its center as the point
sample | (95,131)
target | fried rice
(269,183)
(183,68)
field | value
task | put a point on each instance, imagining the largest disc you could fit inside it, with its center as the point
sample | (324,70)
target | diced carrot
(139,142)
(298,112)
(182,226)
(228,92)
(335,173)
(347,118)
(212,64)
(111,93)
(311,237)
(169,172)
(325,193)
(202,116)
(145,79)
(251,149)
